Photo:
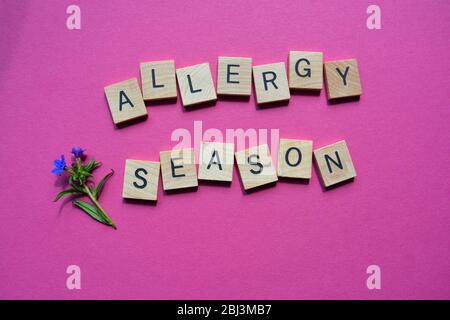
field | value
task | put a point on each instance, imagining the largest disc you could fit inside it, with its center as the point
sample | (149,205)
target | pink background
(292,241)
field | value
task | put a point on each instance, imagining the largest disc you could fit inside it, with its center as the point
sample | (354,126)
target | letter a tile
(216,161)
(125,101)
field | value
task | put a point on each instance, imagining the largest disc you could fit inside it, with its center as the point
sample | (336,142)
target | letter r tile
(271,83)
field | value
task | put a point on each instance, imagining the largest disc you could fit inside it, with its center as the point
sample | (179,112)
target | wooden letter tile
(196,84)
(178,169)
(334,163)
(216,161)
(255,167)
(342,79)
(158,80)
(141,180)
(125,101)
(234,76)
(305,70)
(271,83)
(295,158)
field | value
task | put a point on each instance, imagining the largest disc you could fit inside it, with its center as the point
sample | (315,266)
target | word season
(233,78)
(255,166)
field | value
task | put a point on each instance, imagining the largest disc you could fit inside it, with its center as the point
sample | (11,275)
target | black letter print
(211,162)
(344,75)
(173,166)
(191,87)
(144,181)
(255,163)
(338,163)
(299,159)
(308,70)
(229,73)
(121,102)
(274,76)
(154,81)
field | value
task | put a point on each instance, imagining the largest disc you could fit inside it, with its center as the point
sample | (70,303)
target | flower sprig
(80,175)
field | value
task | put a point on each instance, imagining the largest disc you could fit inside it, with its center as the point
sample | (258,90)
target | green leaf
(90,210)
(97,164)
(75,185)
(92,165)
(100,185)
(67,192)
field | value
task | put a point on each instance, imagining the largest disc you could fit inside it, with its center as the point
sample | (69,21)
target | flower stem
(99,207)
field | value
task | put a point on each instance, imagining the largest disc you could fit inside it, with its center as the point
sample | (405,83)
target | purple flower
(78,152)
(60,165)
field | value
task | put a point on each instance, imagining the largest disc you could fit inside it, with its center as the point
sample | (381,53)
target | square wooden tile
(342,78)
(334,163)
(256,167)
(295,158)
(216,161)
(158,80)
(234,76)
(125,101)
(305,70)
(196,84)
(141,180)
(271,83)
(178,169)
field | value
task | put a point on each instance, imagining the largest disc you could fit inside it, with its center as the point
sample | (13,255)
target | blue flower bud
(60,165)
(78,152)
